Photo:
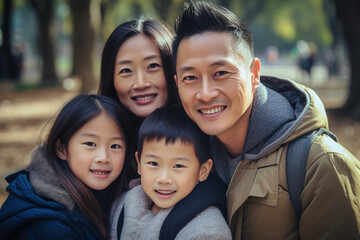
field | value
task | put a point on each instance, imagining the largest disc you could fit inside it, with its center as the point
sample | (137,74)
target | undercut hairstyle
(199,17)
(171,124)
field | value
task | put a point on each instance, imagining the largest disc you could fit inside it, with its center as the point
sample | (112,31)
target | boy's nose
(164,178)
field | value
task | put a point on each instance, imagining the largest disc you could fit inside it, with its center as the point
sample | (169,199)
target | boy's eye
(153,65)
(90,144)
(179,166)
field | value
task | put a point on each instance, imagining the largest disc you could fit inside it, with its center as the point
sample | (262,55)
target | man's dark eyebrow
(186,68)
(217,63)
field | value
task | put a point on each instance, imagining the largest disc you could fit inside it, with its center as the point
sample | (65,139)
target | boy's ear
(61,151)
(205,169)
(138,162)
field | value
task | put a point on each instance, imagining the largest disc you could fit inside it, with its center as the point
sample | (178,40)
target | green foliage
(283,23)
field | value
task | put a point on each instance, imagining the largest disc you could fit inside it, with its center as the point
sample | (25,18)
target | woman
(137,69)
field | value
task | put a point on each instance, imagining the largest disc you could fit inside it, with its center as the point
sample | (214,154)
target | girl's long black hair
(75,114)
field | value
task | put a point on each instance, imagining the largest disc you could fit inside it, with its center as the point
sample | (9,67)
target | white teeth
(144,98)
(165,191)
(212,111)
(100,172)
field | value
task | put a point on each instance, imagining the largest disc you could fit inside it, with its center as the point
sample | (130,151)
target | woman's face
(139,77)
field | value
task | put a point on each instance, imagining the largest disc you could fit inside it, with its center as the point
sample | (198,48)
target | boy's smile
(169,171)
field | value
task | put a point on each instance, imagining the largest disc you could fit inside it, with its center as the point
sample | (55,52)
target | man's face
(216,84)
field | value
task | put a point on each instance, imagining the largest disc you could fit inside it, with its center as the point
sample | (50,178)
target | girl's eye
(90,144)
(153,65)
(115,146)
(179,166)
(125,70)
(154,164)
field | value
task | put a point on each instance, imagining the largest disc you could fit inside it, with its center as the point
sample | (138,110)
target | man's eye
(189,78)
(90,144)
(125,70)
(220,73)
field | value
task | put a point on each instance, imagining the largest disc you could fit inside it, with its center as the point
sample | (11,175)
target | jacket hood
(32,199)
(282,111)
(44,181)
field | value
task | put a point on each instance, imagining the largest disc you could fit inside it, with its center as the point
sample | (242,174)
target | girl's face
(96,152)
(139,77)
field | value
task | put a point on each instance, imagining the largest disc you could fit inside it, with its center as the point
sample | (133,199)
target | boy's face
(169,172)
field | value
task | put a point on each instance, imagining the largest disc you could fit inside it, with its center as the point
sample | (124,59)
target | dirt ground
(24,114)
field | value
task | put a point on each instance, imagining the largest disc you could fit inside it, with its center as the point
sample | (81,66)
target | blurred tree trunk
(45,12)
(84,42)
(167,10)
(348,15)
(163,8)
(5,49)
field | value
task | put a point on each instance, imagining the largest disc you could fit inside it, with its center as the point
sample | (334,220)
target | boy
(174,164)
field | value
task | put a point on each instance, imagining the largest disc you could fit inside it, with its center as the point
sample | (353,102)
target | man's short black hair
(171,124)
(199,17)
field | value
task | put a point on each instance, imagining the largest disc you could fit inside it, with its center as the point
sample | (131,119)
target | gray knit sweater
(141,223)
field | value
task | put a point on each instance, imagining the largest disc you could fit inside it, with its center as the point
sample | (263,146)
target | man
(252,121)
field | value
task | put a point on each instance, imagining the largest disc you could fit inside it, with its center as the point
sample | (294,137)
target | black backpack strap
(211,192)
(120,223)
(296,159)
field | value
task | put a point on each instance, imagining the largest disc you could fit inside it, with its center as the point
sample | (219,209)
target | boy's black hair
(199,17)
(171,124)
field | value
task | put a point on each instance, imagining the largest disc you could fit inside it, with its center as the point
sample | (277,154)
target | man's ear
(176,80)
(255,73)
(61,151)
(138,163)
(205,169)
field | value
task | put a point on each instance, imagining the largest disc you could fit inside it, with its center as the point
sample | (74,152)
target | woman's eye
(90,144)
(153,65)
(125,70)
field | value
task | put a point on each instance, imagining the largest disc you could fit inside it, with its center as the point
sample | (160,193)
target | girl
(137,70)
(67,190)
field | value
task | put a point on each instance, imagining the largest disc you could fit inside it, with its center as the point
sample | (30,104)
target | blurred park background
(50,50)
